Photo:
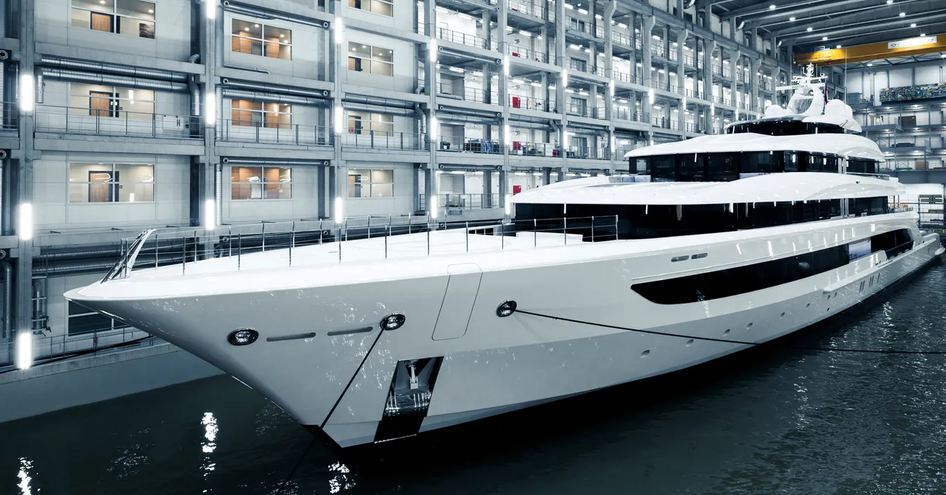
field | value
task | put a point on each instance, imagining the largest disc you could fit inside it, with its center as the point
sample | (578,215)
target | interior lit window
(379,124)
(111,182)
(255,38)
(260,183)
(261,114)
(132,18)
(382,7)
(103,101)
(365,183)
(367,58)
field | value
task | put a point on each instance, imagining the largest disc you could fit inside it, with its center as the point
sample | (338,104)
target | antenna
(804,81)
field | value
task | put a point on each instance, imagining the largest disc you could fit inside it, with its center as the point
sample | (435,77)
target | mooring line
(727,341)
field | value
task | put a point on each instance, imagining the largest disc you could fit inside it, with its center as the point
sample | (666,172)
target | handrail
(438,236)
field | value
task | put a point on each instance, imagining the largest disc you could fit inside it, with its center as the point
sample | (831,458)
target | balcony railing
(60,346)
(480,146)
(526,53)
(527,102)
(690,93)
(523,148)
(587,153)
(624,113)
(456,203)
(467,94)
(462,38)
(531,9)
(257,132)
(624,77)
(621,38)
(385,140)
(9,120)
(82,120)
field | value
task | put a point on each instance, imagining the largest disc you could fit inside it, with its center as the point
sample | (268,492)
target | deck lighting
(210,9)
(432,50)
(210,108)
(27,94)
(25,221)
(24,349)
(210,214)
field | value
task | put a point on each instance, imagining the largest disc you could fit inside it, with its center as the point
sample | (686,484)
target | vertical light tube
(339,210)
(210,214)
(24,349)
(339,119)
(24,224)
(564,78)
(507,135)
(434,131)
(339,31)
(508,205)
(434,207)
(210,9)
(432,50)
(27,94)
(210,108)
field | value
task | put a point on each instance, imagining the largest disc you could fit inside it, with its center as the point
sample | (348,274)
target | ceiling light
(903,14)
(922,34)
(824,38)
(913,24)
(889,2)
(809,29)
(870,64)
(772,6)
(791,19)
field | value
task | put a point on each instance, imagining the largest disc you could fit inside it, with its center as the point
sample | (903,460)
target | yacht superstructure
(718,243)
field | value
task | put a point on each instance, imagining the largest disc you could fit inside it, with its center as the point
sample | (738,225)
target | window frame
(261,39)
(262,184)
(370,59)
(114,186)
(370,183)
(262,112)
(371,6)
(116,18)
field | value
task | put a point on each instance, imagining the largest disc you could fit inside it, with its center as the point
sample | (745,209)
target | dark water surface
(777,420)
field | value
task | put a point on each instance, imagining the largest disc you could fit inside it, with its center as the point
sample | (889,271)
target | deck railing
(156,248)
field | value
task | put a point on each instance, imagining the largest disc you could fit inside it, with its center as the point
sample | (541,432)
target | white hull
(490,364)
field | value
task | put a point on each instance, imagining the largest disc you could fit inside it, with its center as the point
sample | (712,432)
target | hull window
(743,279)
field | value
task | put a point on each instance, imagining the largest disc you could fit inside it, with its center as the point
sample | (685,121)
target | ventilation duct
(272,98)
(270,89)
(104,68)
(361,107)
(263,161)
(113,80)
(263,13)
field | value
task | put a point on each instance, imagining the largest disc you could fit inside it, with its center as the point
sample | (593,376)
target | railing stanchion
(565,229)
(467,237)
(592,228)
(502,236)
(292,241)
(369,224)
(263,232)
(157,246)
(535,232)
(183,254)
(386,242)
(428,239)
(239,250)
(615,227)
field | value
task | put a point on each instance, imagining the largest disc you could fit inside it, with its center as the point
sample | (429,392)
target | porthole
(243,336)
(645,353)
(749,325)
(727,331)
(689,342)
(782,315)
(807,305)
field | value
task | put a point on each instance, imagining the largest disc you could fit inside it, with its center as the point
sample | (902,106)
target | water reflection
(23,476)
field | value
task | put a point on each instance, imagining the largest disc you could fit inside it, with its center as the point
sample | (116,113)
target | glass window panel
(90,323)
(359,50)
(383,8)
(355,4)
(136,9)
(94,5)
(102,22)
(357,184)
(81,18)
(382,54)
(278,191)
(247,28)
(281,35)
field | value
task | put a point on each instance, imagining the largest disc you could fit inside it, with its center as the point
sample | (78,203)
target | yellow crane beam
(874,51)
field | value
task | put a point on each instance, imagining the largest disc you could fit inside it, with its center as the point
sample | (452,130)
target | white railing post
(565,229)
(292,241)
(467,236)
(592,228)
(535,232)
